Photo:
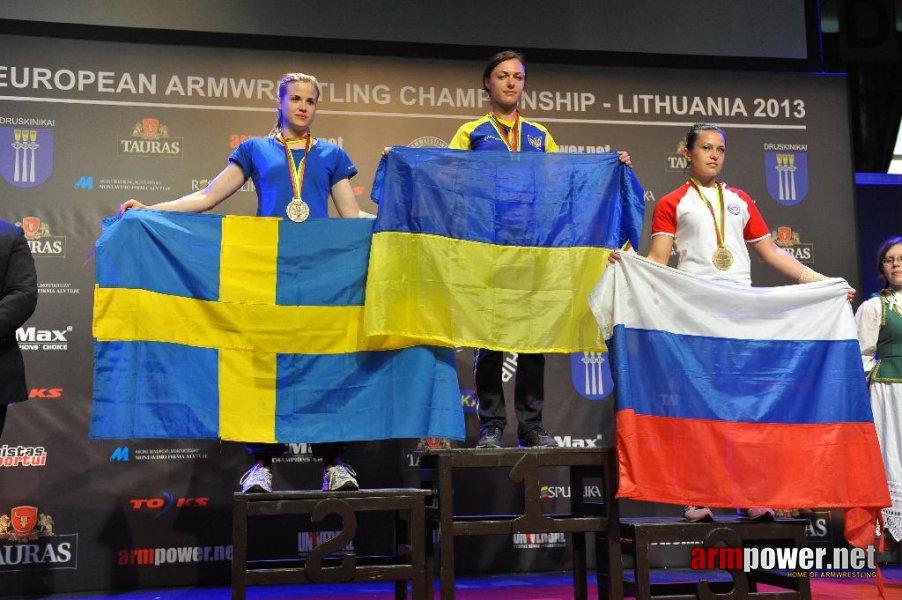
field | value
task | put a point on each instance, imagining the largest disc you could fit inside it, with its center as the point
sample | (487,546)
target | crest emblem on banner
(33,533)
(31,226)
(23,519)
(790,240)
(26,155)
(590,374)
(150,129)
(786,174)
(785,236)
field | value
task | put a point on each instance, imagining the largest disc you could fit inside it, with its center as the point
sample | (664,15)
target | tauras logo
(28,541)
(818,527)
(150,137)
(789,240)
(41,242)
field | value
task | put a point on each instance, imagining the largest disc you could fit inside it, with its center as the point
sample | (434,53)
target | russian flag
(737,396)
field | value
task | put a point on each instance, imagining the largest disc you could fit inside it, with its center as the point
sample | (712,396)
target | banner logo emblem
(787,176)
(590,374)
(26,156)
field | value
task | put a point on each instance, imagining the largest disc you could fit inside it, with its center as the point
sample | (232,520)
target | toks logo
(45,393)
(161,505)
(150,138)
(27,541)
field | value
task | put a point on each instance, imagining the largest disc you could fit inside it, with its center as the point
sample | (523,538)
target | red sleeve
(756,228)
(664,219)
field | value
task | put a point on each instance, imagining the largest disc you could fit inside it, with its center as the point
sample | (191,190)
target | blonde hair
(283,87)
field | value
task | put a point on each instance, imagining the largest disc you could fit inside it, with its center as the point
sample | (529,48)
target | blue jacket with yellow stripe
(481,135)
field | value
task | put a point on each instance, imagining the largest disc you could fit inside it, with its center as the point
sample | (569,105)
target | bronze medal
(722,258)
(298,211)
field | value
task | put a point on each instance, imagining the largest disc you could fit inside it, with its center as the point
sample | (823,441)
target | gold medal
(722,258)
(298,211)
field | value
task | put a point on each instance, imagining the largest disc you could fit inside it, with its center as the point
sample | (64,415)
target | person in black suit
(18,298)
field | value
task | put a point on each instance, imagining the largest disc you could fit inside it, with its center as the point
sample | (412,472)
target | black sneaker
(537,438)
(489,438)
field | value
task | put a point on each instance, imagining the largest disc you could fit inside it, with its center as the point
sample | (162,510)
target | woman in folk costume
(294,174)
(880,336)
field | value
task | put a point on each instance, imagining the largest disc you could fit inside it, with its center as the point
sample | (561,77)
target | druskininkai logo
(26,155)
(590,374)
(787,176)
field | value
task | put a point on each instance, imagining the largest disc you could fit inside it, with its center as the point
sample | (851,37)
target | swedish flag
(249,328)
(496,250)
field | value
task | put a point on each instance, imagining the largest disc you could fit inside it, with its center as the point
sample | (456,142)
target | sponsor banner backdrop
(86,125)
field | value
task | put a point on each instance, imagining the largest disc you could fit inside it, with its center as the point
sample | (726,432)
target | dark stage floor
(520,586)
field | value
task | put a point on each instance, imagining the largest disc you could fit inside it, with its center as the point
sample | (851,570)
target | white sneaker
(339,478)
(258,479)
(696,514)
(757,514)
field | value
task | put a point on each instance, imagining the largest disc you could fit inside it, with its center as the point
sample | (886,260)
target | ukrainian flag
(496,250)
(248,328)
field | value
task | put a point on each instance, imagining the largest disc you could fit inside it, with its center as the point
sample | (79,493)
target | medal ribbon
(296,170)
(718,231)
(511,139)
